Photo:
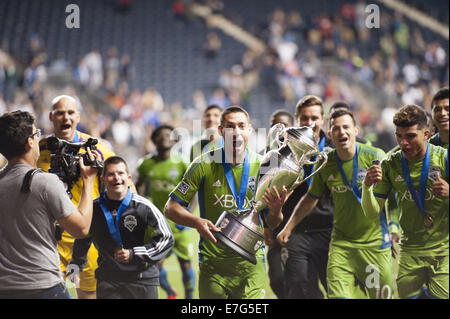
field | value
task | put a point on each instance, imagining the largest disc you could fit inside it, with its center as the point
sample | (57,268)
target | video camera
(64,159)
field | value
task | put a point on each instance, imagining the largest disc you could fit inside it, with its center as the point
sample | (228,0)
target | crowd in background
(395,59)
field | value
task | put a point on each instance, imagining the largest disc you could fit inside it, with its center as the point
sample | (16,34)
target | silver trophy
(288,150)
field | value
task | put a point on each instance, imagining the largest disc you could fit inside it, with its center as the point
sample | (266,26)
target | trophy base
(233,246)
(238,237)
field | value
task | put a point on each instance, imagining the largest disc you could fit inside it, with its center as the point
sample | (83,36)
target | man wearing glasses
(30,206)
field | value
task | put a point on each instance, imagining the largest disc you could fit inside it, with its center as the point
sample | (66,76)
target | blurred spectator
(212,45)
(112,65)
(126,68)
(219,98)
(94,65)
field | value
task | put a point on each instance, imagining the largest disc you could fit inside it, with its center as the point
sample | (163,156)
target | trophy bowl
(242,230)
(241,233)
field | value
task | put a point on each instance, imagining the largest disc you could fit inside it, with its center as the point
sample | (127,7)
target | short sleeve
(57,201)
(188,186)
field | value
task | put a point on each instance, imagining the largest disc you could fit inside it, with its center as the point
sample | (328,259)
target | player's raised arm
(372,205)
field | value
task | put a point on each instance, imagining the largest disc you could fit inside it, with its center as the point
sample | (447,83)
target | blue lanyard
(113,225)
(240,198)
(76,138)
(354,186)
(419,200)
(308,171)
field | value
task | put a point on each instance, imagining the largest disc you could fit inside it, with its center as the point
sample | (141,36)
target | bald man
(65,118)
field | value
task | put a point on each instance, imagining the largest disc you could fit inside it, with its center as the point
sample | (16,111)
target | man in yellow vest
(65,118)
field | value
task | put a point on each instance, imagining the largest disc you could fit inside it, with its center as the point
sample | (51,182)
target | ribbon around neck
(354,186)
(240,198)
(420,198)
(113,225)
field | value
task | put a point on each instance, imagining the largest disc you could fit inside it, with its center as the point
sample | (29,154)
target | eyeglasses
(37,133)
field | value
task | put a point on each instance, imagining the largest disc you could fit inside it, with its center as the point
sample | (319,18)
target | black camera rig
(64,159)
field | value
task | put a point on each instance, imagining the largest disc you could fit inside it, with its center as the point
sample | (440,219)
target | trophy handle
(279,133)
(321,156)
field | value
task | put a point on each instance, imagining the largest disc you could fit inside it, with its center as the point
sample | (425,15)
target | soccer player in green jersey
(359,248)
(439,107)
(212,138)
(158,175)
(417,174)
(224,179)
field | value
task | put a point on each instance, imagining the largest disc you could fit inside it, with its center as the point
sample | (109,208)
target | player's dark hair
(281,112)
(211,107)
(233,109)
(341,112)
(159,129)
(339,105)
(15,128)
(440,95)
(114,160)
(308,100)
(410,115)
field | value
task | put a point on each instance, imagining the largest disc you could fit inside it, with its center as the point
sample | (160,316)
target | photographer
(30,204)
(65,118)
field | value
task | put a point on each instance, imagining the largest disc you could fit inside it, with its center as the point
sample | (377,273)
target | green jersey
(435,140)
(416,238)
(161,176)
(351,227)
(206,175)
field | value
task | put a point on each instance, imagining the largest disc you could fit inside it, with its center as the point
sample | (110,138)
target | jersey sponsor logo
(406,195)
(130,222)
(340,189)
(227,201)
(217,184)
(183,187)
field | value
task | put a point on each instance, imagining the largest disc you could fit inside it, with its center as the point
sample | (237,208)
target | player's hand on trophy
(374,175)
(275,200)
(204,227)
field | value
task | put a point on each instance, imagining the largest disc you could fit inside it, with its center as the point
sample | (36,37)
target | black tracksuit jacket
(144,231)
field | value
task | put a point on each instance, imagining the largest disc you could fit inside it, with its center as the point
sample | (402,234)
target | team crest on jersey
(130,222)
(433,171)
(252,183)
(183,187)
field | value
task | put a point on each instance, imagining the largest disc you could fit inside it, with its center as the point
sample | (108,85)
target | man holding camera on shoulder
(30,204)
(65,118)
